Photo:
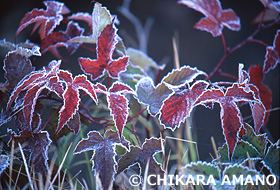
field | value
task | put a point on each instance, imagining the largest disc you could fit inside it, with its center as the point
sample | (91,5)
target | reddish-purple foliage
(272,57)
(216,18)
(105,48)
(47,19)
(29,92)
(57,39)
(104,154)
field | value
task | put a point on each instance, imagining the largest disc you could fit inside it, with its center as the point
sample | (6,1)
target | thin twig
(249,39)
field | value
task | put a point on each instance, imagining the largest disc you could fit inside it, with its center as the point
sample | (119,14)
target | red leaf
(105,47)
(47,19)
(243,76)
(153,96)
(104,154)
(118,104)
(272,56)
(141,156)
(229,114)
(34,83)
(51,78)
(57,39)
(179,104)
(257,108)
(71,98)
(216,18)
(38,145)
(120,88)
(100,88)
(71,102)
(256,78)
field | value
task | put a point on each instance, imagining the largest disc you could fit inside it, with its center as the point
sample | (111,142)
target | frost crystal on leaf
(104,154)
(105,48)
(216,18)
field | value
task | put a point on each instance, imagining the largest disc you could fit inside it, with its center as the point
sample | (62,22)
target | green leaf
(139,58)
(194,169)
(239,154)
(179,77)
(257,141)
(271,160)
(101,17)
(236,175)
(151,95)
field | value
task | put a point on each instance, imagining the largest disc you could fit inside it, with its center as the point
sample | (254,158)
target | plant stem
(51,117)
(90,119)
(137,114)
(108,77)
(224,42)
(249,39)
(133,132)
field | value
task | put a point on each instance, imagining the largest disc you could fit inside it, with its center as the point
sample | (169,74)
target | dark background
(196,48)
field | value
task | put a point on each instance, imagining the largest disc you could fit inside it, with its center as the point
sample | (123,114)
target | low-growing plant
(120,91)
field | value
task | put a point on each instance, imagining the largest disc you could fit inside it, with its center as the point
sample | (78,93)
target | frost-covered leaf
(192,170)
(47,19)
(235,175)
(180,103)
(16,67)
(37,144)
(153,96)
(258,108)
(61,38)
(243,76)
(4,162)
(74,123)
(275,5)
(104,154)
(33,84)
(10,46)
(265,95)
(272,56)
(118,104)
(216,18)
(239,156)
(259,141)
(231,120)
(132,75)
(101,17)
(150,95)
(139,58)
(26,49)
(250,143)
(71,98)
(141,155)
(271,160)
(105,48)
(83,17)
(21,123)
(179,77)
